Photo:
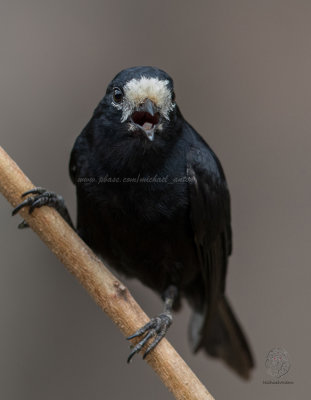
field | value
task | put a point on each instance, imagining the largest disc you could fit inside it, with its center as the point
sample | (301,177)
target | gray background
(242,75)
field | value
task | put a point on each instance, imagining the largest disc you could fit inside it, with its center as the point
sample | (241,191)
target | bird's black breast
(143,228)
(140,227)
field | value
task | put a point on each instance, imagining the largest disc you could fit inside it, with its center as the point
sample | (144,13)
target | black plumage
(154,203)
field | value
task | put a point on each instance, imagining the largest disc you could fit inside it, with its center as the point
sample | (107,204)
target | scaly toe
(157,328)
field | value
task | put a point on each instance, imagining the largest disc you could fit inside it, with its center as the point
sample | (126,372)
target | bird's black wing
(82,175)
(214,326)
(210,220)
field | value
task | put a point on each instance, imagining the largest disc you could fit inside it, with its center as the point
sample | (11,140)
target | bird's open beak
(146,118)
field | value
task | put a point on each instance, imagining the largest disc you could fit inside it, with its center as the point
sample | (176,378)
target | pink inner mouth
(145,120)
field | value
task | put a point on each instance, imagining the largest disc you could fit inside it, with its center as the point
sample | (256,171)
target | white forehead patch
(138,90)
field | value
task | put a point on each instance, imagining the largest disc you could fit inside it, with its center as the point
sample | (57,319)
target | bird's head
(140,101)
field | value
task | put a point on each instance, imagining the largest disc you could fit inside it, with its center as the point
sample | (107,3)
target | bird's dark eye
(117,95)
(173,96)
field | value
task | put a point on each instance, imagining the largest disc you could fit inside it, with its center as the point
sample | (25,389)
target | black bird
(153,202)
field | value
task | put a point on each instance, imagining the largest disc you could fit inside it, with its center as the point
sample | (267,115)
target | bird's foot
(156,328)
(41,198)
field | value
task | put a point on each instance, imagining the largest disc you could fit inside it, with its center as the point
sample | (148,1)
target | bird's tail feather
(222,337)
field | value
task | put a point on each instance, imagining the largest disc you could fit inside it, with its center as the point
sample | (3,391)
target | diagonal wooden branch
(108,292)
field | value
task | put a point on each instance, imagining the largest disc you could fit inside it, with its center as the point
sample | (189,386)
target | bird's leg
(157,327)
(43,198)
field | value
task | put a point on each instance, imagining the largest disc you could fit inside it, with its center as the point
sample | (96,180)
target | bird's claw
(157,328)
(23,225)
(36,190)
(41,198)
